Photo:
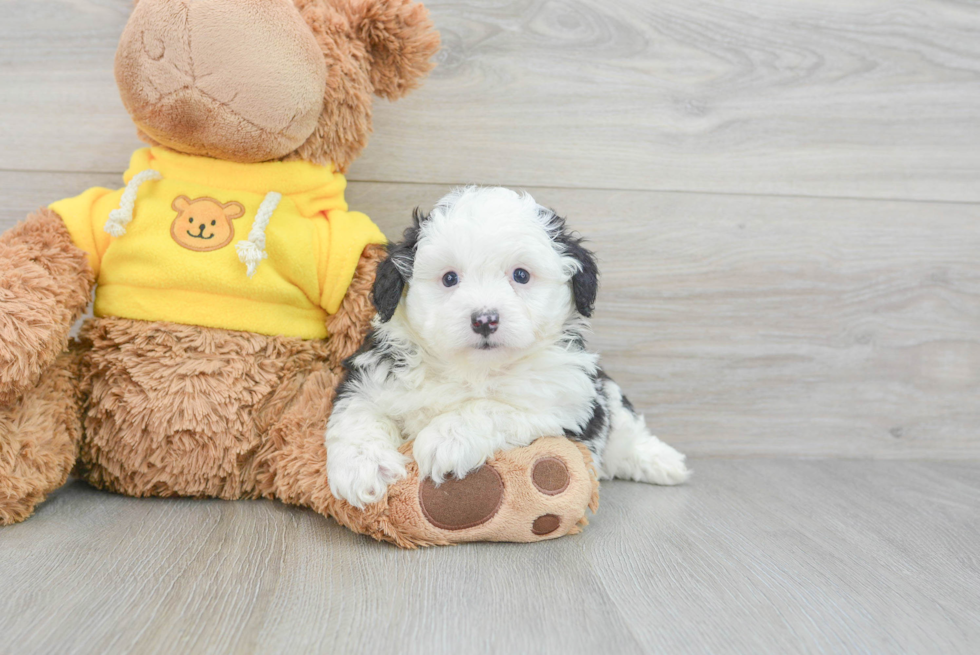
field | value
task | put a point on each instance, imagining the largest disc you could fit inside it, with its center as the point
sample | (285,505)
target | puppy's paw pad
(465,503)
(550,476)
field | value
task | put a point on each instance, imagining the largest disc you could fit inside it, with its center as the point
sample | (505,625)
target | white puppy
(479,346)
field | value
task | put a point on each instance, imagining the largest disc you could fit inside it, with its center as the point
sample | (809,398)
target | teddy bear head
(261,80)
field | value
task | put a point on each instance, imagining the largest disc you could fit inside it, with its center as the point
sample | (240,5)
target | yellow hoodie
(267,248)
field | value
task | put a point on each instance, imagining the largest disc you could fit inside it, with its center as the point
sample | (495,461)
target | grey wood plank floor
(866,98)
(756,555)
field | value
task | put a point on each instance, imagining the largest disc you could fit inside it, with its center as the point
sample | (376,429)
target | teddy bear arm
(349,326)
(45,285)
(39,438)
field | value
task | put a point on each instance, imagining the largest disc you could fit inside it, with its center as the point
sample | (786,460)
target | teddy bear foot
(538,492)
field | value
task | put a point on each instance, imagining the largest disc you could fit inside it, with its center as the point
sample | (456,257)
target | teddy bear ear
(401,41)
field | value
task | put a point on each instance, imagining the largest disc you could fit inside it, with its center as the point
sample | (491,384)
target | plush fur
(479,347)
(232,79)
(38,439)
(45,284)
(195,422)
(392,53)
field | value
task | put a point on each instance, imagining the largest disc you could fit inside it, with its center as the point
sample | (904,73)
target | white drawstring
(119,218)
(252,252)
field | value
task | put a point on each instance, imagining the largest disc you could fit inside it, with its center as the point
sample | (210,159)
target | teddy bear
(231,282)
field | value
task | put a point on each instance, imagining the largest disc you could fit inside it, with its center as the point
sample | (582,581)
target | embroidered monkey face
(204,224)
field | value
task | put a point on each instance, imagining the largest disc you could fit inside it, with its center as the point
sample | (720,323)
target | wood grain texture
(862,98)
(753,556)
(755,325)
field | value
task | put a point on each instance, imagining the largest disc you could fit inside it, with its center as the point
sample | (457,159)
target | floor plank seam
(922,201)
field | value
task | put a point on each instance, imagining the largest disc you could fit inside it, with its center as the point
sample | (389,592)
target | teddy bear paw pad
(550,476)
(545,524)
(460,504)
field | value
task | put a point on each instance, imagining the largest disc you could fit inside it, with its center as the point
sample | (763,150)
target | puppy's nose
(485,322)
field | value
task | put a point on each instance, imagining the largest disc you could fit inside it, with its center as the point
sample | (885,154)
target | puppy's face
(487,275)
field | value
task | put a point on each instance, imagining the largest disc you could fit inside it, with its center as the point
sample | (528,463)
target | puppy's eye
(191,219)
(214,222)
(521,276)
(450,279)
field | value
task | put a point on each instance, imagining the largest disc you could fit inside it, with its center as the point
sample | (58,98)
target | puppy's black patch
(585,283)
(396,270)
(352,377)
(352,373)
(601,375)
(595,428)
(627,404)
(595,432)
(387,356)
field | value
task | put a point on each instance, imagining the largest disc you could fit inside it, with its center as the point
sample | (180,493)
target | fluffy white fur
(428,374)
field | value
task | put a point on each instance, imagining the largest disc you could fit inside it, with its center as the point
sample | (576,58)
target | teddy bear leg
(39,435)
(538,492)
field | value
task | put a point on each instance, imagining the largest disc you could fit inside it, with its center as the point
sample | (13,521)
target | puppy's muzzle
(485,322)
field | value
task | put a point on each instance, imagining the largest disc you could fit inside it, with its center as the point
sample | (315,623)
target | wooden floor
(785,201)
(756,555)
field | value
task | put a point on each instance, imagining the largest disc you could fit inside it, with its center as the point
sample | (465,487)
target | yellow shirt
(178,260)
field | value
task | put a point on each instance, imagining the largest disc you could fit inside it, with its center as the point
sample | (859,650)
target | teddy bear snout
(199,76)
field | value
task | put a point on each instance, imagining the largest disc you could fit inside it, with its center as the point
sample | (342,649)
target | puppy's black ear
(388,287)
(396,270)
(585,283)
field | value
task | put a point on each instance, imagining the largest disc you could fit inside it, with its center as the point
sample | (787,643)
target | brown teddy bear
(232,283)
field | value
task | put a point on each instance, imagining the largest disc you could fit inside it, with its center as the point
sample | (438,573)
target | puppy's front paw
(448,446)
(361,474)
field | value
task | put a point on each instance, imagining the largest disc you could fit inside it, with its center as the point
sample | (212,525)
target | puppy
(479,346)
